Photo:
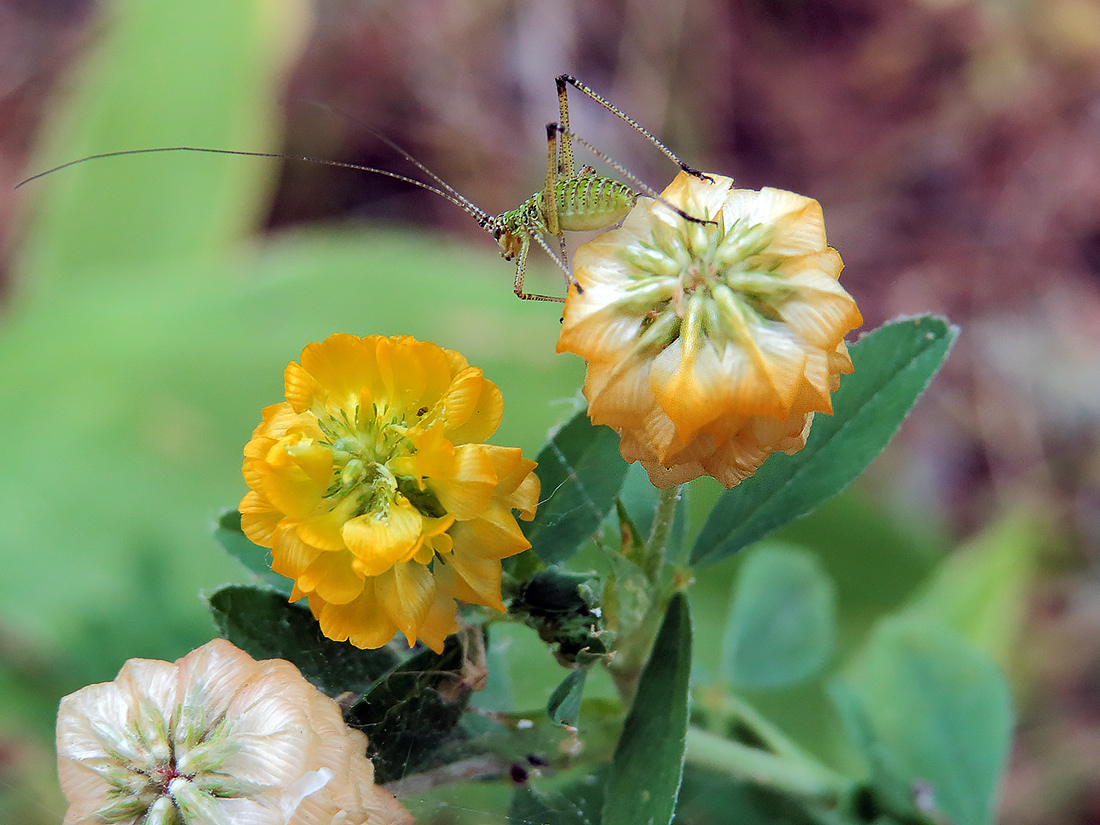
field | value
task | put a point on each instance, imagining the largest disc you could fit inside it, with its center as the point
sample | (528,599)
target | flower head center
(370,466)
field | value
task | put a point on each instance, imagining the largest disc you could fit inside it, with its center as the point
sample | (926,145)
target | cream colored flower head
(374,491)
(217,738)
(710,346)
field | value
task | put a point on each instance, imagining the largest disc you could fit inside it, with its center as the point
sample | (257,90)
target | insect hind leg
(563,106)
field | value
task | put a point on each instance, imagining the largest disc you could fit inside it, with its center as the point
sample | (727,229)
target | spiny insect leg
(645,188)
(565,153)
(564,79)
(550,188)
(521,270)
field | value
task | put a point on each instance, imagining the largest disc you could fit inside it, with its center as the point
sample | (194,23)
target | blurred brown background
(954,145)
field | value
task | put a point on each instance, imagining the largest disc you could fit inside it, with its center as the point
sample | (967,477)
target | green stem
(807,780)
(730,708)
(631,653)
(654,554)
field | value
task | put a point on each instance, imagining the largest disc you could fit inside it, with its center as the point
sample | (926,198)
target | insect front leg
(521,269)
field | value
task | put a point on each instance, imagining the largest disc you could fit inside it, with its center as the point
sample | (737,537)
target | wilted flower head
(710,346)
(216,738)
(374,493)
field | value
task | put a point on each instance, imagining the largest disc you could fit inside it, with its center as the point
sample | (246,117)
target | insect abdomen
(592,202)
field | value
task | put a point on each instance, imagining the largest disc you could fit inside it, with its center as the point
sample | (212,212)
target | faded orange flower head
(373,490)
(710,346)
(215,737)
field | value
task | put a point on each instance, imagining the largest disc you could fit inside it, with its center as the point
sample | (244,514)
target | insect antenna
(482,217)
(618,167)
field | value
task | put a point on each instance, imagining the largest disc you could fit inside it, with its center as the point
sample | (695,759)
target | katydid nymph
(570,200)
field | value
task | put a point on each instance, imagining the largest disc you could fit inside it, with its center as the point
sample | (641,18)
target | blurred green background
(152,302)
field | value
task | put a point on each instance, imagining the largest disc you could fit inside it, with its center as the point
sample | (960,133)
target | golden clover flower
(373,490)
(216,737)
(710,346)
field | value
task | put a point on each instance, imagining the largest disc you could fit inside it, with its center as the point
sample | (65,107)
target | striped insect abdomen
(592,202)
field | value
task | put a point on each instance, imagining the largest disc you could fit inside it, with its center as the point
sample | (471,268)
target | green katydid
(570,200)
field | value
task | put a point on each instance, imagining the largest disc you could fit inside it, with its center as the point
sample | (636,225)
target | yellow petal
(406,592)
(518,486)
(295,475)
(380,540)
(469,482)
(363,622)
(343,365)
(290,556)
(434,456)
(332,577)
(795,223)
(482,576)
(473,407)
(258,518)
(439,623)
(323,527)
(492,535)
(303,391)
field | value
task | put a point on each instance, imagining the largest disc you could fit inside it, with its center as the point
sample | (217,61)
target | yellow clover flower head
(215,737)
(710,346)
(373,490)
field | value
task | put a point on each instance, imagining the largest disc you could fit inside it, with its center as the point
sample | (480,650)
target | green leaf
(781,625)
(263,624)
(411,712)
(228,532)
(580,471)
(565,702)
(715,798)
(979,590)
(888,783)
(627,594)
(942,711)
(203,73)
(893,364)
(649,759)
(577,802)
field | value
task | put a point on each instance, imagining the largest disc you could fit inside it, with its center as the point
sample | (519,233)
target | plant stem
(809,781)
(631,652)
(663,517)
(730,708)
